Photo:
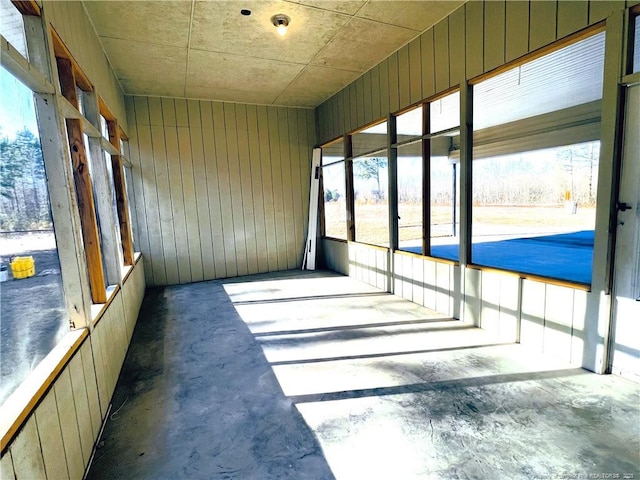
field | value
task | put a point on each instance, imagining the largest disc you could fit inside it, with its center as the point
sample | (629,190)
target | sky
(16,106)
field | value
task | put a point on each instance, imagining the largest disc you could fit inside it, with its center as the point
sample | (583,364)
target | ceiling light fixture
(281,22)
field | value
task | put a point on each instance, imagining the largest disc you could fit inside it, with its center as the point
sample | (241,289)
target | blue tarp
(566,256)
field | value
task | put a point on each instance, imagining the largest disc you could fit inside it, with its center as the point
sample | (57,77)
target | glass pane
(333,152)
(114,207)
(567,77)
(410,197)
(370,179)
(636,45)
(335,205)
(445,201)
(369,140)
(12,27)
(444,113)
(32,307)
(534,212)
(409,124)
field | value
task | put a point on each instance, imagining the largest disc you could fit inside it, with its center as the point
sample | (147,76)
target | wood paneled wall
(72,24)
(220,189)
(477,38)
(58,438)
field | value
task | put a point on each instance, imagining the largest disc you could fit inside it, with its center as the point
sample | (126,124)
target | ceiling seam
(186,68)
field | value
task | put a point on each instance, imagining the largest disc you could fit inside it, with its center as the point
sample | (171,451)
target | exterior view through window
(370,185)
(535,164)
(334,191)
(33,316)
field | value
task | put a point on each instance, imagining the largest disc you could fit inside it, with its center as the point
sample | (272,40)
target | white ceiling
(208,50)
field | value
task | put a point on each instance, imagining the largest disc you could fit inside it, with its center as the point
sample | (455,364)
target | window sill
(22,402)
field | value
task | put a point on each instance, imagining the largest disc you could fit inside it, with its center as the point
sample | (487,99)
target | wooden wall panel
(26,452)
(600,9)
(6,467)
(494,34)
(441,49)
(558,319)
(532,315)
(360,101)
(404,80)
(384,88)
(353,105)
(50,436)
(428,64)
(375,93)
(474,38)
(415,71)
(228,193)
(517,28)
(393,93)
(573,15)
(81,402)
(368,107)
(235,182)
(542,28)
(457,62)
(69,423)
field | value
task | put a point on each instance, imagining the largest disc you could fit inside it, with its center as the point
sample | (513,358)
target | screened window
(410,193)
(369,140)
(32,306)
(409,129)
(371,202)
(12,27)
(334,190)
(535,164)
(444,177)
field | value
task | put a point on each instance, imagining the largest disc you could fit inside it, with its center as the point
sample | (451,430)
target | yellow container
(23,267)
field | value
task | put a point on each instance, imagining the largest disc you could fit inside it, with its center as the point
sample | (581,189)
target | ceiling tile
(161,23)
(314,85)
(162,65)
(348,7)
(232,72)
(417,15)
(361,44)
(219,28)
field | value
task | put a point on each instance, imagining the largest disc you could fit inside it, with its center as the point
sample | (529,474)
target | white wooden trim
(22,69)
(309,260)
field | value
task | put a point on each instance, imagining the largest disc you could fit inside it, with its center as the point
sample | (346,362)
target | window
(12,27)
(370,182)
(410,180)
(32,306)
(444,177)
(334,190)
(371,202)
(535,163)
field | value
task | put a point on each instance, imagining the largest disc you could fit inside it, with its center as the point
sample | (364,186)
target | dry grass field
(372,222)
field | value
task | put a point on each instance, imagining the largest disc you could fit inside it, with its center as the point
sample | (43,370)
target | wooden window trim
(83,185)
(27,7)
(122,203)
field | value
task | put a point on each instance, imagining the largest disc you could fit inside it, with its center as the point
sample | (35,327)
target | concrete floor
(317,376)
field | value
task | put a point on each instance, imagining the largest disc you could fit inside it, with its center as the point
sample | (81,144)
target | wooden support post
(55,153)
(351,221)
(466,169)
(426,181)
(392,167)
(122,205)
(84,189)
